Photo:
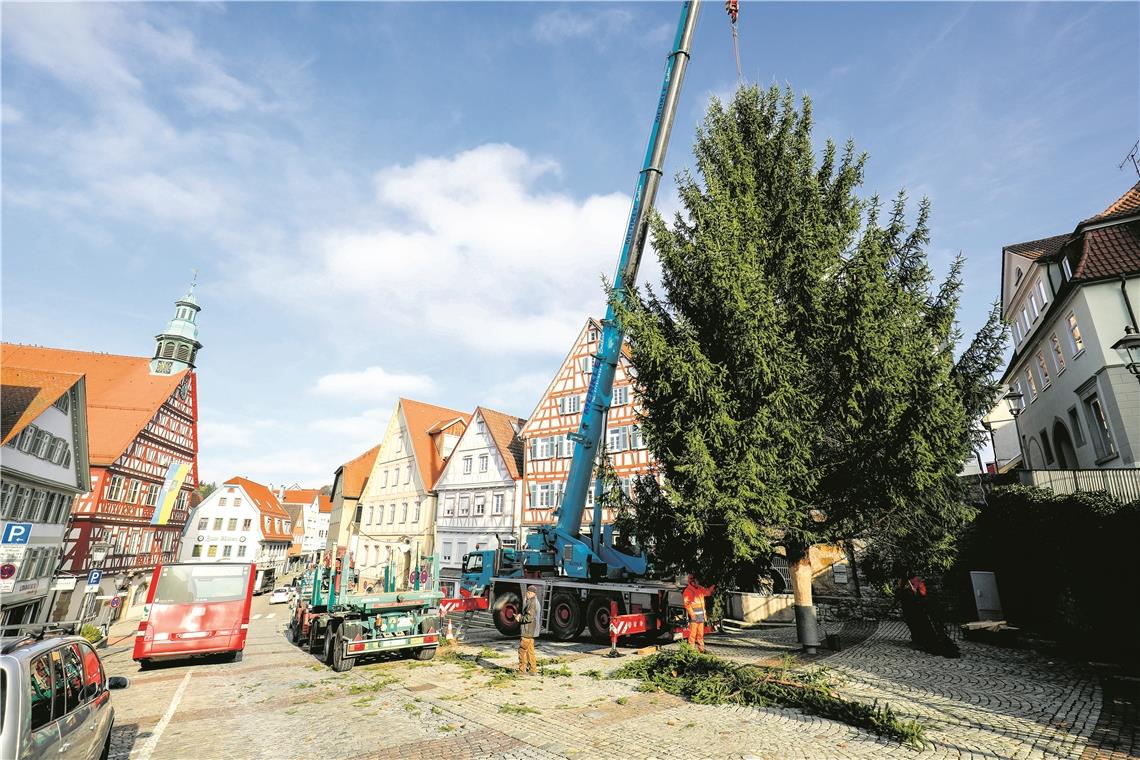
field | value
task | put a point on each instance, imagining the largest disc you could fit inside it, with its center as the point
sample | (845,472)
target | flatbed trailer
(341,629)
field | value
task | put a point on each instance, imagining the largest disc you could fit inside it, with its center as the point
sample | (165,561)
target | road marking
(257,616)
(271,615)
(156,733)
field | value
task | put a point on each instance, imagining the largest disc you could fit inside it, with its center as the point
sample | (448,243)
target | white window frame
(1068,270)
(1046,380)
(449,505)
(1032,382)
(404,512)
(445,553)
(1058,354)
(1076,342)
(464,505)
(621,395)
(133,487)
(416,514)
(484,462)
(1100,428)
(497,504)
(1041,292)
(479,505)
(618,439)
(467,461)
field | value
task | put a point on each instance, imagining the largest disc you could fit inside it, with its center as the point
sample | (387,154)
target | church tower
(178,344)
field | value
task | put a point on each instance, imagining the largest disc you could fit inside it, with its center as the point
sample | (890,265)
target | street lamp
(1014,399)
(1130,344)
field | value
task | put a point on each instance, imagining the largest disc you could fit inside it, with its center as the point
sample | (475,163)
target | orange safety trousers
(697,635)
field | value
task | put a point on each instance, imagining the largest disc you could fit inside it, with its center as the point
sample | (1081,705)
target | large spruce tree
(797,372)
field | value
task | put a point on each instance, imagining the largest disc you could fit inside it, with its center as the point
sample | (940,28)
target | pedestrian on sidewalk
(528,631)
(694,599)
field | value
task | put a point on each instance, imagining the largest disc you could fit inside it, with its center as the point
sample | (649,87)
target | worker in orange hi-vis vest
(694,598)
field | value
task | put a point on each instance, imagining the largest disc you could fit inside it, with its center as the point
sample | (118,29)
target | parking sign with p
(17,533)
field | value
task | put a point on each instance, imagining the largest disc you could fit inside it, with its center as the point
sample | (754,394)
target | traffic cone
(450,633)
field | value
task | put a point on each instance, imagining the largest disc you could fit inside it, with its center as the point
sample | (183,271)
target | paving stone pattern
(279,702)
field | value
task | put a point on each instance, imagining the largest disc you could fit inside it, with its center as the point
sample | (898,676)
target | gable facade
(548,449)
(479,493)
(43,466)
(397,507)
(1067,300)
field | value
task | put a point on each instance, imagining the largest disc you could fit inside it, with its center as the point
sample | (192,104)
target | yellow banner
(168,496)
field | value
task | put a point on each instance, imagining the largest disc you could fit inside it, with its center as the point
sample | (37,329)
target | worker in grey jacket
(528,631)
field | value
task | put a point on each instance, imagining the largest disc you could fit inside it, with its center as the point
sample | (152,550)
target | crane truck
(340,626)
(585,581)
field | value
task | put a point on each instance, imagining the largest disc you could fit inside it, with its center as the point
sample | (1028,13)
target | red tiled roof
(301,496)
(26,394)
(267,505)
(506,438)
(1035,249)
(324,504)
(421,418)
(1127,204)
(122,395)
(354,473)
(1110,252)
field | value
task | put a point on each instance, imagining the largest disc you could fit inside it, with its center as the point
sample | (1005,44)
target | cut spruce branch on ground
(709,680)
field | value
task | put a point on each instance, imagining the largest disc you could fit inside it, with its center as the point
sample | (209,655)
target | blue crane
(562,546)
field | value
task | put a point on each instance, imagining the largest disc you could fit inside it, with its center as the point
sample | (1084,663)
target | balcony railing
(1123,483)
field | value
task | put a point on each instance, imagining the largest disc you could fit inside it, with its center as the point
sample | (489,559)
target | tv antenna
(1132,154)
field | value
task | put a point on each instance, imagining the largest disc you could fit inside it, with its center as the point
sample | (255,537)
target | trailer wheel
(565,617)
(330,640)
(314,639)
(340,661)
(506,612)
(598,618)
(424,653)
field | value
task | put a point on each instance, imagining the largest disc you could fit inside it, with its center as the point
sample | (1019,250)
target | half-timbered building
(548,448)
(143,446)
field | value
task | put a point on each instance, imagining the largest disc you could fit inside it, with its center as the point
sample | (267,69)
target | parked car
(55,699)
(280,595)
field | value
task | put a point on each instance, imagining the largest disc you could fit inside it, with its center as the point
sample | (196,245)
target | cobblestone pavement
(279,702)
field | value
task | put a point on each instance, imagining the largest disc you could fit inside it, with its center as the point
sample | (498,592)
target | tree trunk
(806,628)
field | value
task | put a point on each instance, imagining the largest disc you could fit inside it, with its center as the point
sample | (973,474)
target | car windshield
(187,584)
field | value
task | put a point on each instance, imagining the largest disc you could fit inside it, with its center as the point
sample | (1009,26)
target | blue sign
(17,533)
(93,577)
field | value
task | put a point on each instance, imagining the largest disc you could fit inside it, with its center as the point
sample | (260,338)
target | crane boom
(561,545)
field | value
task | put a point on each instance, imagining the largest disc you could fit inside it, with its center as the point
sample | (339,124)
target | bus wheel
(506,612)
(565,617)
(424,653)
(598,618)
(340,661)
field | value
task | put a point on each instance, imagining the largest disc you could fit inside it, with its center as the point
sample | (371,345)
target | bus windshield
(188,584)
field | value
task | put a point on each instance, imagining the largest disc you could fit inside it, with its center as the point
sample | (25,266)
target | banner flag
(168,496)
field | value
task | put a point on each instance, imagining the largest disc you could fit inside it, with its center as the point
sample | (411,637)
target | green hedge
(1066,566)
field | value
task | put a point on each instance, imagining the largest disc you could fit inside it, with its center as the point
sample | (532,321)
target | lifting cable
(732,7)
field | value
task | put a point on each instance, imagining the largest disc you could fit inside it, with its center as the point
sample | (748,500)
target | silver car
(55,699)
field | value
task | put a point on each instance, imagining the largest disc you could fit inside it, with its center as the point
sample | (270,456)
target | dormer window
(1066,269)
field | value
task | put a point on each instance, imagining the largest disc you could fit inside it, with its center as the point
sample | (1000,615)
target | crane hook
(732,8)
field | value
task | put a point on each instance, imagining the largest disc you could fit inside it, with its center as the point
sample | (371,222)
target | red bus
(195,609)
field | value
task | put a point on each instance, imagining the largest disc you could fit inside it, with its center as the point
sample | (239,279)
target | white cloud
(365,428)
(10,114)
(217,435)
(373,383)
(520,394)
(563,24)
(472,247)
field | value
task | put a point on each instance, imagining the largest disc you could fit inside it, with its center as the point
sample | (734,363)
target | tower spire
(177,346)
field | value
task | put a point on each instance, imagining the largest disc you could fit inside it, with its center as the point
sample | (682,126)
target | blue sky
(420,199)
